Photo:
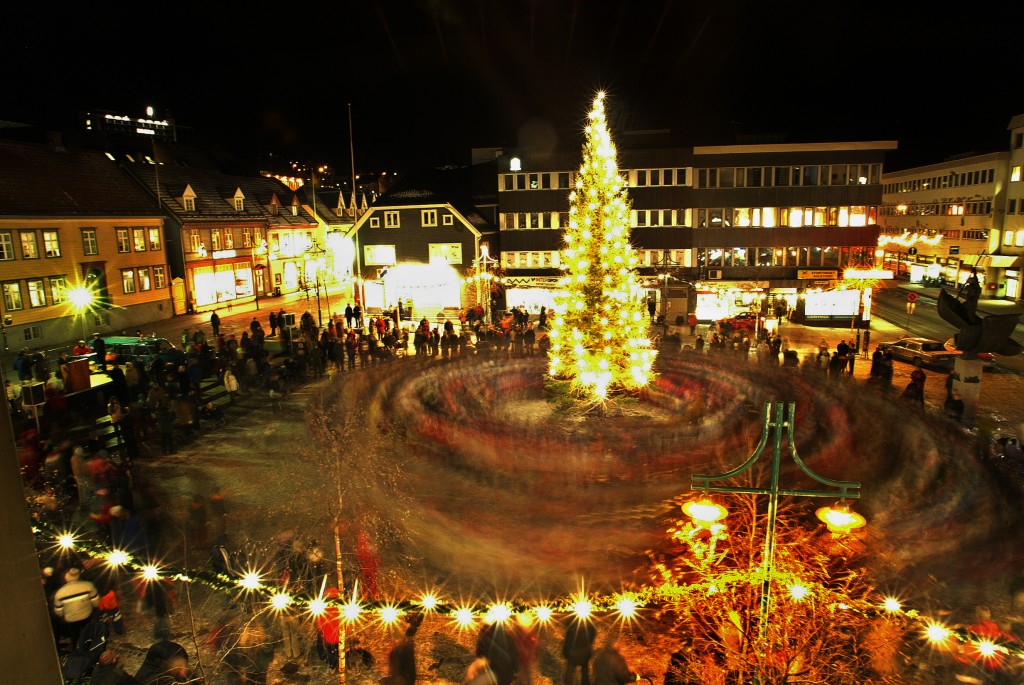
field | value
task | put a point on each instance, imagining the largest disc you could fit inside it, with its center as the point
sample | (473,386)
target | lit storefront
(287,256)
(426,288)
(224,277)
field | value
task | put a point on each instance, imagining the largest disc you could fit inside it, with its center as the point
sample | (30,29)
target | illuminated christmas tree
(598,337)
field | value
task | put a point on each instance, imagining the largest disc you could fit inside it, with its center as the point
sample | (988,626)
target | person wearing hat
(81,349)
(74,603)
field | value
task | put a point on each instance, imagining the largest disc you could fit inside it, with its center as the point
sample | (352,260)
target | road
(890,304)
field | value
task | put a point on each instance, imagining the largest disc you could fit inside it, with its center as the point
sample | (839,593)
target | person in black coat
(402,657)
(496,643)
(610,667)
(99,349)
(578,648)
(166,663)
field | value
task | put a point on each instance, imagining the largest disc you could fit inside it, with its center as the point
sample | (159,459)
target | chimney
(55,141)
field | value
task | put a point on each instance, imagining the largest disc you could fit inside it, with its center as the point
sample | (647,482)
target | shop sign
(224,254)
(954,249)
(816,275)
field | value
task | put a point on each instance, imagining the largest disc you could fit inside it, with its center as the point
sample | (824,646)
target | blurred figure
(610,667)
(578,648)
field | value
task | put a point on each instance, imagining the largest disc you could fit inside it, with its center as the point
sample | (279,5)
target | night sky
(429,79)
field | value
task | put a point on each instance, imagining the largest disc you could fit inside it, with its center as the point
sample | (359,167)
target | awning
(993,261)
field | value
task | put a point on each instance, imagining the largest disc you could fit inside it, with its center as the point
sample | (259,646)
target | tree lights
(598,335)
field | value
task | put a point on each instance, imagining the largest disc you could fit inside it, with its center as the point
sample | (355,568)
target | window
(534,182)
(1020,239)
(215,239)
(1012,209)
(89,245)
(229,239)
(1015,174)
(12,296)
(374,222)
(36,293)
(58,286)
(391,220)
(239,204)
(144,282)
(30,333)
(194,241)
(51,243)
(428,217)
(563,179)
(1018,140)
(1008,238)
(246,236)
(158,277)
(29,246)
(190,204)
(139,239)
(6,247)
(448,220)
(128,280)
(122,240)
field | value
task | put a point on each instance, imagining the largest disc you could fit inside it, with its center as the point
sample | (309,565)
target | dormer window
(239,204)
(295,210)
(188,199)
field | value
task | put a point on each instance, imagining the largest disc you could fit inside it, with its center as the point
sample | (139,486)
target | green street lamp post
(778,421)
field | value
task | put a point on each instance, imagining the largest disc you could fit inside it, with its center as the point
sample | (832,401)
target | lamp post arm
(848,489)
(703,481)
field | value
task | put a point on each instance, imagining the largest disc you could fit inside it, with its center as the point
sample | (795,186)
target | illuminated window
(158,277)
(229,239)
(391,220)
(6,247)
(139,239)
(239,204)
(51,243)
(36,293)
(428,217)
(194,241)
(796,217)
(144,282)
(123,244)
(768,217)
(1008,238)
(89,245)
(12,296)
(154,239)
(246,236)
(742,216)
(215,239)
(128,281)
(190,204)
(29,246)
(58,288)
(1015,174)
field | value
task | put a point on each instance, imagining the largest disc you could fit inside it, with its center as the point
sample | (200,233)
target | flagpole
(355,236)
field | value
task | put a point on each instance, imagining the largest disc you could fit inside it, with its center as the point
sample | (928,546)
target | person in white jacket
(74,602)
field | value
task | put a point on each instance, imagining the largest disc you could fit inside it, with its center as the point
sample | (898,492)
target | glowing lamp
(704,512)
(987,648)
(352,610)
(798,591)
(389,615)
(317,606)
(150,572)
(429,602)
(280,601)
(582,608)
(499,613)
(839,518)
(80,297)
(626,607)
(117,558)
(892,605)
(544,613)
(464,617)
(66,541)
(936,633)
(250,581)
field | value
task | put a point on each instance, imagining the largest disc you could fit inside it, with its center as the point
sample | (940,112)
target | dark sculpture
(989,334)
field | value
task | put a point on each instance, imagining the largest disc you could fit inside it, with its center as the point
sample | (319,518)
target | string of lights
(626,606)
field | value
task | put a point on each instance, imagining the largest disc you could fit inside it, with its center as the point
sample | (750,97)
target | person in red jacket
(328,630)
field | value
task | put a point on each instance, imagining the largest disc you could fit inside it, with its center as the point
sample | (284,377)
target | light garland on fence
(624,606)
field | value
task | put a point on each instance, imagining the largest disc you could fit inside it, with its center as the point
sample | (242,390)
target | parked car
(987,357)
(741,321)
(920,351)
(124,348)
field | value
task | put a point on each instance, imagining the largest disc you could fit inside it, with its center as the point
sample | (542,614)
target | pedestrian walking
(215,324)
(273,324)
(74,603)
(99,349)
(577,649)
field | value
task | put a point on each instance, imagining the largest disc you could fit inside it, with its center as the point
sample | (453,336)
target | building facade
(716,229)
(78,242)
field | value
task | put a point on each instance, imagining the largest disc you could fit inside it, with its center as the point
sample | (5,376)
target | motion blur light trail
(482,483)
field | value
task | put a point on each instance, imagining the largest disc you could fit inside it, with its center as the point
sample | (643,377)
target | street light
(81,298)
(840,519)
(482,261)
(260,250)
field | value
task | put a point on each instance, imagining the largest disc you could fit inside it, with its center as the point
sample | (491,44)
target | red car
(741,321)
